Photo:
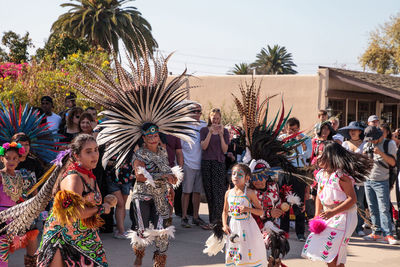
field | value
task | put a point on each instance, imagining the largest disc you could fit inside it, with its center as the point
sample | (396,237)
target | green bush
(45,78)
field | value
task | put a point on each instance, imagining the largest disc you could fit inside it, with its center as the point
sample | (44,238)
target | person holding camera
(377,184)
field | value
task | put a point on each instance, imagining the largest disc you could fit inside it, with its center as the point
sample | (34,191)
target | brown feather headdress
(135,97)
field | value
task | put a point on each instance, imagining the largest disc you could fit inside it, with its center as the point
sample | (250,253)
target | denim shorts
(124,188)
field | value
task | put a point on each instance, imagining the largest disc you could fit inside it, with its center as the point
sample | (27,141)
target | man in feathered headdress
(140,105)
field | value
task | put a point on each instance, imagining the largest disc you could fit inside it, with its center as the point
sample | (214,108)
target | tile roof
(373,79)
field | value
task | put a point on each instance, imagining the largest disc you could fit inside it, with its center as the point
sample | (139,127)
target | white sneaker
(118,235)
(361,233)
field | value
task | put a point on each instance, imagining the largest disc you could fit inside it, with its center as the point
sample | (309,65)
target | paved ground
(186,250)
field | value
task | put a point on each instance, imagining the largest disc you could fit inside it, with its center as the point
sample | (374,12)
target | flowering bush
(11,70)
(38,79)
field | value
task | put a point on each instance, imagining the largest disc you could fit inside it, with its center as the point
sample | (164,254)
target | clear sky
(209,37)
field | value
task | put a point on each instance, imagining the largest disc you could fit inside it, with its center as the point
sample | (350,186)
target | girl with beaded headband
(11,192)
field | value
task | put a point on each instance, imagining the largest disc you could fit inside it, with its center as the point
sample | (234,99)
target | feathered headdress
(262,136)
(135,97)
(28,121)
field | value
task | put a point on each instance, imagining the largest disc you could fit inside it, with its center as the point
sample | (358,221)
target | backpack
(393,172)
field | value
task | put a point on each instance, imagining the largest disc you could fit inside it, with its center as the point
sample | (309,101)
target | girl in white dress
(245,247)
(336,203)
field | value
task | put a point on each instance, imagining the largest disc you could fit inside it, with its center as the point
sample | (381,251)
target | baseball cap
(46,98)
(373,118)
(372,132)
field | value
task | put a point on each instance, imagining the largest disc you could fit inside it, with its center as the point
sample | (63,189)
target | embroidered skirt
(333,241)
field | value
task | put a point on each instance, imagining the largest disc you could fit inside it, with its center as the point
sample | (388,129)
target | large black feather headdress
(262,136)
(135,97)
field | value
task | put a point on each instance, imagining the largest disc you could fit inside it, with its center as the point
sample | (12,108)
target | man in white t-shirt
(52,118)
(192,182)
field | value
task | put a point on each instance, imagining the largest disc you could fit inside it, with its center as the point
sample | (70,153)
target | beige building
(352,94)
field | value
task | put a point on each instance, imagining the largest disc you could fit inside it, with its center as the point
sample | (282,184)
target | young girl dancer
(335,205)
(70,236)
(245,247)
(11,189)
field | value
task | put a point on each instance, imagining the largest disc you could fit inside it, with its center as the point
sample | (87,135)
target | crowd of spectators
(207,162)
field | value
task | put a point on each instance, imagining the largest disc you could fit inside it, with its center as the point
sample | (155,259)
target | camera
(369,149)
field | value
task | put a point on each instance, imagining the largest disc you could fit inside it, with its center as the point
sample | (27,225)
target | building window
(366,109)
(389,115)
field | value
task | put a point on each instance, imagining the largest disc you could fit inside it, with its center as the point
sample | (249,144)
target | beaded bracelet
(101,210)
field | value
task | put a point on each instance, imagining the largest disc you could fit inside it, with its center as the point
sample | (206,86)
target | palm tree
(275,60)
(240,69)
(103,22)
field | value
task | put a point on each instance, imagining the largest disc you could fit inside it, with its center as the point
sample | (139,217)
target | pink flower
(6,145)
(336,202)
(21,150)
(306,246)
(329,243)
(326,253)
(333,233)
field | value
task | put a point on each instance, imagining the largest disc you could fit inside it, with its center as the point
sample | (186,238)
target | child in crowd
(11,192)
(245,247)
(335,205)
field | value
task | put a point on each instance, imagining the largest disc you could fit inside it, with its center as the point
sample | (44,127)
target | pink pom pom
(317,225)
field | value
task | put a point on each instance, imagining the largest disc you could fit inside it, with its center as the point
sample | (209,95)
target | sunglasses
(257,178)
(197,111)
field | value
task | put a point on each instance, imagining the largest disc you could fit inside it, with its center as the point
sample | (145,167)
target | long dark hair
(335,157)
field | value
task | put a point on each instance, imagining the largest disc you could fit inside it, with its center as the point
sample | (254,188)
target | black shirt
(31,170)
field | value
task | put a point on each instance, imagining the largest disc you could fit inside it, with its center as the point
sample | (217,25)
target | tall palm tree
(275,60)
(103,22)
(240,69)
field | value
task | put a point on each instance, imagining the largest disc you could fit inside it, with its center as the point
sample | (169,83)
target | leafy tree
(3,55)
(274,60)
(105,21)
(17,46)
(383,52)
(60,45)
(241,69)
